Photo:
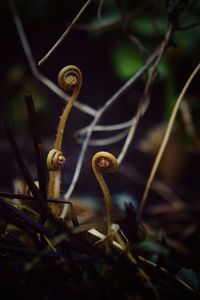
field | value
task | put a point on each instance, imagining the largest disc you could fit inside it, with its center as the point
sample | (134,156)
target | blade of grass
(33,188)
(37,145)
(165,140)
(29,198)
(8,211)
(64,35)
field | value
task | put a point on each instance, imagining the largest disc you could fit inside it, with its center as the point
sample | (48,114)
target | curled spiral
(105,162)
(70,78)
(55,160)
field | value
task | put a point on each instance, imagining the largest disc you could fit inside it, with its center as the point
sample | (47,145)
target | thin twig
(136,41)
(64,35)
(106,141)
(116,138)
(99,10)
(188,26)
(130,82)
(113,127)
(161,51)
(108,25)
(142,107)
(165,141)
(54,88)
(144,102)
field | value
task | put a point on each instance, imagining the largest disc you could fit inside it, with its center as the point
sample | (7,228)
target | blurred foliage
(189,277)
(126,60)
(153,247)
(147,21)
(18,84)
(115,21)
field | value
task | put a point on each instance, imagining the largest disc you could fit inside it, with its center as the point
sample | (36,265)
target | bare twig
(99,10)
(113,127)
(165,140)
(114,23)
(144,102)
(105,25)
(188,26)
(106,141)
(129,83)
(140,112)
(135,40)
(54,88)
(161,51)
(64,35)
(134,121)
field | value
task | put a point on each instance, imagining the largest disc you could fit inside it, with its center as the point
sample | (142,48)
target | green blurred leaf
(189,277)
(164,70)
(126,60)
(153,247)
(147,26)
(154,258)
